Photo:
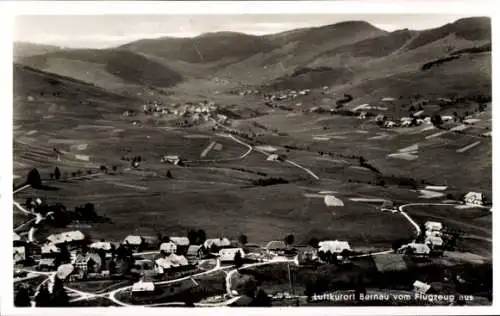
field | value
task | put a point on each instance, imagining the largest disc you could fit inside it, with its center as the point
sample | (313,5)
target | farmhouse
(433,233)
(433,226)
(333,246)
(133,240)
(168,247)
(418,249)
(274,157)
(72,237)
(101,245)
(141,287)
(172,159)
(19,254)
(474,198)
(434,241)
(217,242)
(420,287)
(88,263)
(276,247)
(49,249)
(229,254)
(194,253)
(182,244)
(170,262)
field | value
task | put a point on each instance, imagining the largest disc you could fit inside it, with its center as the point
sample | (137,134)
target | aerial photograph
(252,160)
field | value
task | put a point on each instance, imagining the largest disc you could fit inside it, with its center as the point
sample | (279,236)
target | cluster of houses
(286,95)
(432,244)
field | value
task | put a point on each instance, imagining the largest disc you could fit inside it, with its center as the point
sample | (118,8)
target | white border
(10,9)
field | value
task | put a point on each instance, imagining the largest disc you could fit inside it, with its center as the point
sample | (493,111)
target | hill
(108,68)
(208,47)
(24,49)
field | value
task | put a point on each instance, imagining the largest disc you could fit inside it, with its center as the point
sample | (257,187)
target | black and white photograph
(251,160)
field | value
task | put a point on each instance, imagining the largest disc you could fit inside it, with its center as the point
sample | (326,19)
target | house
(170,262)
(274,157)
(182,244)
(433,233)
(46,263)
(19,254)
(333,246)
(420,287)
(447,118)
(390,124)
(142,287)
(229,254)
(307,254)
(168,247)
(217,242)
(172,159)
(16,237)
(101,245)
(49,249)
(434,241)
(417,249)
(474,198)
(88,263)
(133,241)
(276,247)
(72,237)
(194,253)
(433,226)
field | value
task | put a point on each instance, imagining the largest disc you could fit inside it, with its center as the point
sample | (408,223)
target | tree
(436,120)
(22,298)
(42,299)
(412,108)
(238,259)
(57,173)
(34,179)
(396,244)
(313,242)
(289,240)
(51,176)
(114,168)
(59,296)
(201,236)
(243,239)
(261,299)
(169,174)
(192,236)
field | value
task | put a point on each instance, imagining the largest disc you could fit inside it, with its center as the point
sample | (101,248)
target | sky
(102,31)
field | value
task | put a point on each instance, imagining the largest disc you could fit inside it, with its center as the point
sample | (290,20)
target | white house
(418,249)
(434,241)
(171,159)
(169,262)
(390,124)
(133,240)
(66,237)
(474,198)
(433,233)
(101,245)
(218,242)
(276,247)
(180,241)
(437,226)
(421,287)
(334,246)
(168,247)
(142,286)
(49,248)
(228,254)
(19,254)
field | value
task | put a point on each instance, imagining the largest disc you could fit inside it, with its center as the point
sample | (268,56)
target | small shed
(474,198)
(218,242)
(433,226)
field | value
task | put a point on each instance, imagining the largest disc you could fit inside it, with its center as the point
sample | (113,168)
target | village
(72,258)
